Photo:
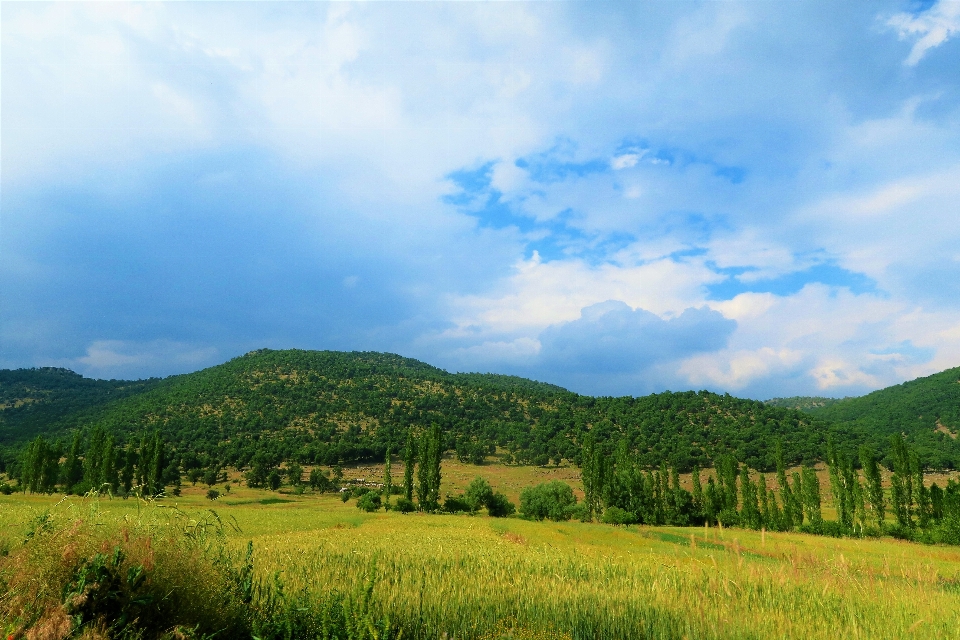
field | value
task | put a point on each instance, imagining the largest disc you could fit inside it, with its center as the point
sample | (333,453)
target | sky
(759,198)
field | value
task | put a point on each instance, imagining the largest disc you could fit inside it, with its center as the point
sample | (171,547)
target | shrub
(369,502)
(344,496)
(457,504)
(499,506)
(404,506)
(616,515)
(5,489)
(478,494)
(137,580)
(553,500)
(360,491)
(213,494)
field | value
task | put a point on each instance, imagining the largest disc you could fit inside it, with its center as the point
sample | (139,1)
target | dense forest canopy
(327,407)
(927,410)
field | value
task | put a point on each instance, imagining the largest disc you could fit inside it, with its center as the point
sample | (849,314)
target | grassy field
(477,577)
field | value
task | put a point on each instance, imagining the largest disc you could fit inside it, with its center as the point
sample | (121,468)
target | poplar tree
(811,497)
(901,493)
(127,474)
(387,478)
(922,493)
(837,489)
(785,494)
(73,465)
(93,459)
(51,471)
(750,513)
(713,500)
(409,458)
(797,499)
(871,471)
(436,456)
(698,506)
(109,465)
(423,476)
(764,498)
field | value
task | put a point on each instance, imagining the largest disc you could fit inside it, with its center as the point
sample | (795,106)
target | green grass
(477,577)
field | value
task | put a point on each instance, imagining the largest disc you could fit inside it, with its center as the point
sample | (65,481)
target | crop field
(464,576)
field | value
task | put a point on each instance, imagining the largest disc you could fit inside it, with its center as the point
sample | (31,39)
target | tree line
(100,464)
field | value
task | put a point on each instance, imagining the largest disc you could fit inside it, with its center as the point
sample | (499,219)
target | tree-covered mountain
(803,403)
(48,399)
(328,407)
(927,410)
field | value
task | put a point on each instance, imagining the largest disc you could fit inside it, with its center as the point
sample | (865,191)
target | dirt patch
(515,538)
(942,428)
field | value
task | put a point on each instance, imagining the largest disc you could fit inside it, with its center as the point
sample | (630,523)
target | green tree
(409,458)
(698,505)
(423,472)
(93,459)
(553,500)
(874,492)
(109,475)
(73,465)
(811,497)
(478,493)
(387,477)
(901,482)
(435,457)
(789,515)
(749,512)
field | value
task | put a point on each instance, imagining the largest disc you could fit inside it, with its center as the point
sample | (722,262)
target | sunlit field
(480,577)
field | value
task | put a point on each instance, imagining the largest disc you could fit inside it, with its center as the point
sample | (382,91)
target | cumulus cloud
(612,338)
(183,177)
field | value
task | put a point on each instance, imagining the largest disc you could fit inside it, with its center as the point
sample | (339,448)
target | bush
(499,506)
(404,506)
(369,502)
(360,491)
(164,578)
(457,504)
(616,515)
(553,500)
(6,489)
(478,493)
(344,496)
(213,494)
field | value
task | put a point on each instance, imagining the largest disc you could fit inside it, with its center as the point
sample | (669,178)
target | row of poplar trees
(99,464)
(619,491)
(422,454)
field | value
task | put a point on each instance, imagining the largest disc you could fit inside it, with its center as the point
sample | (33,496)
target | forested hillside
(927,410)
(329,407)
(45,400)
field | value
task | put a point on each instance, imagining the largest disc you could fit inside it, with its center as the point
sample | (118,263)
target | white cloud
(124,358)
(929,29)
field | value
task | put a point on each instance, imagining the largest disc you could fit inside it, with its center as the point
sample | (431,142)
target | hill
(803,403)
(45,400)
(927,410)
(326,407)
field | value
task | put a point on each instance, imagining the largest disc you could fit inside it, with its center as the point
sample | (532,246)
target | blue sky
(757,198)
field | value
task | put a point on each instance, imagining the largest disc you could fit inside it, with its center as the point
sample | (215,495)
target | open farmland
(479,577)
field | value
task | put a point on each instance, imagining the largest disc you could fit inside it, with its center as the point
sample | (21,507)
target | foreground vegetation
(319,566)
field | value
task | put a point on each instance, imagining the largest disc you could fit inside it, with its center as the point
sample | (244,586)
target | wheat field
(438,576)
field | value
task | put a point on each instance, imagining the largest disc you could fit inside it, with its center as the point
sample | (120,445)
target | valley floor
(480,577)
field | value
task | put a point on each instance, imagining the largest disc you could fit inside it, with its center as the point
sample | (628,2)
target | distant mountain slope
(926,409)
(34,401)
(326,406)
(803,403)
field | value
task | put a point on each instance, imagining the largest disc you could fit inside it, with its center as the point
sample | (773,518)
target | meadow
(446,576)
